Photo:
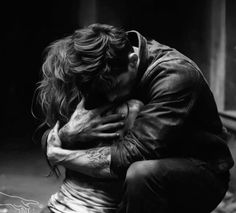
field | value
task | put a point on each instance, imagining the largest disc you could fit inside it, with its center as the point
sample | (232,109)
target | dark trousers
(172,185)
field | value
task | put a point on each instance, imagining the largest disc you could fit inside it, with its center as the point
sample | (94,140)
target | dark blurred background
(204,30)
(30,27)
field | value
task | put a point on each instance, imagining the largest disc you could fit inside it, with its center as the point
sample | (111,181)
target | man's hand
(89,125)
(94,162)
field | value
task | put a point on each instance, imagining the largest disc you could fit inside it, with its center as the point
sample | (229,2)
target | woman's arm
(95,161)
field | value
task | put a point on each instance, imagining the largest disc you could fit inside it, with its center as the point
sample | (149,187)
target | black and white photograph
(118,106)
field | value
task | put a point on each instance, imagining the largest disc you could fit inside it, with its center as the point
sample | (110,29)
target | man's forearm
(94,162)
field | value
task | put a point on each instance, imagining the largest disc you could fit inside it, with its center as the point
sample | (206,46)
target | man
(174,159)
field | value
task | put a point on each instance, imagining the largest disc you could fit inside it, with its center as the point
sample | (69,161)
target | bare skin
(88,125)
(94,162)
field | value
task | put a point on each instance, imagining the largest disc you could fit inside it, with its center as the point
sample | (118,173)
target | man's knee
(136,172)
(143,172)
(146,179)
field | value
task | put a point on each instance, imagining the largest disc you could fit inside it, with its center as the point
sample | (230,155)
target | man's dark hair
(85,63)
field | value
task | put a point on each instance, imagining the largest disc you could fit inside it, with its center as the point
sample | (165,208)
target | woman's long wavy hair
(83,64)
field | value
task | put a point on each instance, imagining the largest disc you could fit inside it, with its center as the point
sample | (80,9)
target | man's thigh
(185,184)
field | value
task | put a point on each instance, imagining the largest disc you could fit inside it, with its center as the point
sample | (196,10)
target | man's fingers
(110,126)
(112,118)
(103,110)
(106,136)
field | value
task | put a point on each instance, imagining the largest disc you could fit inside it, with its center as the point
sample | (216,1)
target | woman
(68,81)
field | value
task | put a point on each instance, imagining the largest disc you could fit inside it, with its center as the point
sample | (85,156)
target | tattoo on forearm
(97,161)
(99,156)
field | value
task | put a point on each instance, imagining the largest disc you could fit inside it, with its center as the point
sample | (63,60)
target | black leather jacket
(179,117)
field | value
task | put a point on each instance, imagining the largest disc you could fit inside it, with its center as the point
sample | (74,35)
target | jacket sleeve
(172,89)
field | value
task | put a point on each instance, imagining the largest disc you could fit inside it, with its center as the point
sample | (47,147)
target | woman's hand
(53,144)
(53,139)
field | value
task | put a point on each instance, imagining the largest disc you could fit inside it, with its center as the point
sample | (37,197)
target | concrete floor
(24,185)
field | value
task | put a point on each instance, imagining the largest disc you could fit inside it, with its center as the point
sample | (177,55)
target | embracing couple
(134,124)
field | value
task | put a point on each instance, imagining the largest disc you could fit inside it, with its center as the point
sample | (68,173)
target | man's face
(125,83)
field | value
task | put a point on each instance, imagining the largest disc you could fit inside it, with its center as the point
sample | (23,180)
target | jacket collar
(137,40)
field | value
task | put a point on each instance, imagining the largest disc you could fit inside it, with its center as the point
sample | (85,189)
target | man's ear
(133,60)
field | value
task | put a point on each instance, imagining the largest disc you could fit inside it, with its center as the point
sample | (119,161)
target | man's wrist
(69,140)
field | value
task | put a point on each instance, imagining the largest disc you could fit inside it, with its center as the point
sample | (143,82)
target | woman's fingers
(80,105)
(56,127)
(53,138)
(110,126)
